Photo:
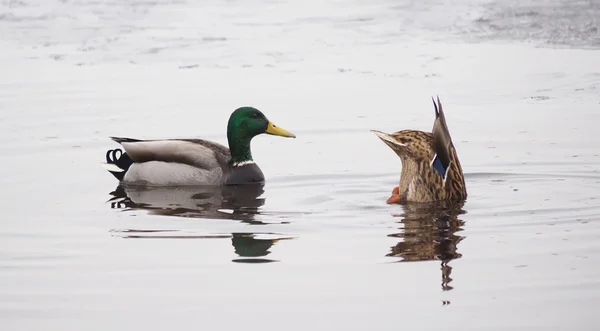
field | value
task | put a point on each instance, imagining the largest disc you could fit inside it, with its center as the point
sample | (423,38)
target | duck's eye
(254,115)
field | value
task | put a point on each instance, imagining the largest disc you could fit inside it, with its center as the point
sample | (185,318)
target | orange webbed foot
(395,198)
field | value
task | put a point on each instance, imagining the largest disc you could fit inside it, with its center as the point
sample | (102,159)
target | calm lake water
(317,248)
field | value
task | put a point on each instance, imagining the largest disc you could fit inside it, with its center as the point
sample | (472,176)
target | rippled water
(317,247)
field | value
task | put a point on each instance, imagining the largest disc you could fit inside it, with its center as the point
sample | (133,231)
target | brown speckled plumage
(420,181)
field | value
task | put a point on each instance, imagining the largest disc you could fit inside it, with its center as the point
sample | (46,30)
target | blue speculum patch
(439,167)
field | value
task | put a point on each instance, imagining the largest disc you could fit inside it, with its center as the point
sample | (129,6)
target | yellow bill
(277,131)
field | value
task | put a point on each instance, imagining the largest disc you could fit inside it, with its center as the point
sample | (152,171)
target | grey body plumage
(207,163)
(173,162)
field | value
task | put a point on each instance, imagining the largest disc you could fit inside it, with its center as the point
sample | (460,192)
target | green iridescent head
(244,124)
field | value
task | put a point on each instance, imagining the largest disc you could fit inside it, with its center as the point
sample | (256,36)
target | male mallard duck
(195,161)
(430,167)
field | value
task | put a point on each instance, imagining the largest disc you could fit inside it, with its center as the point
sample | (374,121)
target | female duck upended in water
(174,162)
(430,167)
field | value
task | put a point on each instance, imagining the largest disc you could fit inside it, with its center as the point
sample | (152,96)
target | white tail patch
(446,174)
(111,167)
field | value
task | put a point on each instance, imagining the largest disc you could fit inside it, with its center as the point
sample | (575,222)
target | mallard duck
(430,167)
(174,162)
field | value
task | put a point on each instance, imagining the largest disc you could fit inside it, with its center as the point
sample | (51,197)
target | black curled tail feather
(120,159)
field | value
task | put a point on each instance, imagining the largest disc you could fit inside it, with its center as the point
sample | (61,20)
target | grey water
(316,247)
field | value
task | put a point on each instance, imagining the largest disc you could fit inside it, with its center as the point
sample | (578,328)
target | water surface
(316,247)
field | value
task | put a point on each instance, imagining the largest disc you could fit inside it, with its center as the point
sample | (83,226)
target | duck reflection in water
(252,248)
(240,203)
(430,234)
